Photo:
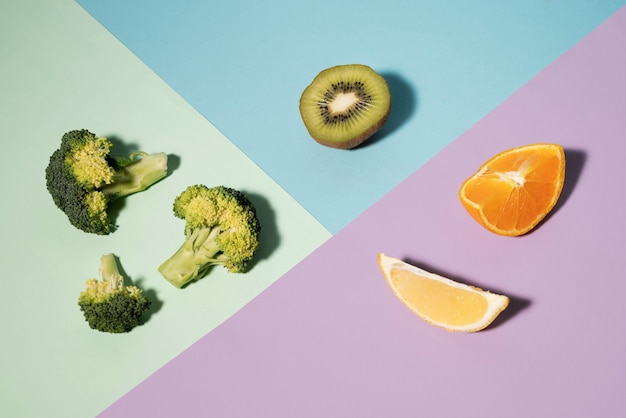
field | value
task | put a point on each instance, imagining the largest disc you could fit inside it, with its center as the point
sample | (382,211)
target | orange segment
(441,301)
(513,191)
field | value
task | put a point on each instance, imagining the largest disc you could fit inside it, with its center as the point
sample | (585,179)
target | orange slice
(441,301)
(513,191)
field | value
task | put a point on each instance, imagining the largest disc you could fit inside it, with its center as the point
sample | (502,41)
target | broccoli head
(110,306)
(221,228)
(83,178)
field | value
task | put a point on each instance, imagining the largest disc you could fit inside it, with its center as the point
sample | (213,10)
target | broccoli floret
(221,228)
(83,178)
(108,305)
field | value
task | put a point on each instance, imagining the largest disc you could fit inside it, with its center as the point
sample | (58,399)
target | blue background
(244,64)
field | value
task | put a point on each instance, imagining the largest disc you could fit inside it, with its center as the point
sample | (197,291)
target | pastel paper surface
(329,338)
(243,64)
(61,70)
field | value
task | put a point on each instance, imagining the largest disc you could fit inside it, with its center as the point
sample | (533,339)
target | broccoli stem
(136,174)
(110,271)
(195,256)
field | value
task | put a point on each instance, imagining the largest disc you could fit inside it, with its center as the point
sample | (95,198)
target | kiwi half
(345,105)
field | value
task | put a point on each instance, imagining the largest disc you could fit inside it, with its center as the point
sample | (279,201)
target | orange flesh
(514,191)
(438,301)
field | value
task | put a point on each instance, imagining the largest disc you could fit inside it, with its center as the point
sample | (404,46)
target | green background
(61,70)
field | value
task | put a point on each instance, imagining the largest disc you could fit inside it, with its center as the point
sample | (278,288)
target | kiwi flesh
(345,105)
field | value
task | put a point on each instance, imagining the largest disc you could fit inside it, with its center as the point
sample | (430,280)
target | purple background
(329,339)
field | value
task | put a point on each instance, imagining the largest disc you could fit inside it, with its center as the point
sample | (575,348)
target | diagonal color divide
(62,69)
(329,339)
(243,65)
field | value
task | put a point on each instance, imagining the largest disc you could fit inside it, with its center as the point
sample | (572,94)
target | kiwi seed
(345,105)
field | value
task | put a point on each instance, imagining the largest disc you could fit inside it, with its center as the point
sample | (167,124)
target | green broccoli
(221,228)
(108,305)
(83,177)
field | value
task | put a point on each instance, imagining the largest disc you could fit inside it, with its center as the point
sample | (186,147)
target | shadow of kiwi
(516,303)
(404,102)
(574,164)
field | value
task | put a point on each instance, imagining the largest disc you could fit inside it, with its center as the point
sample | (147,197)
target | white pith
(342,102)
(515,177)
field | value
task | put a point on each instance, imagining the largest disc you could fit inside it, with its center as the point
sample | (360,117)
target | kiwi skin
(345,140)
